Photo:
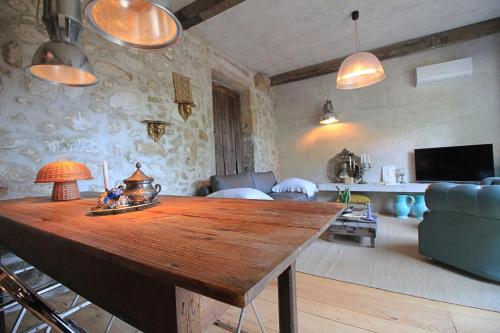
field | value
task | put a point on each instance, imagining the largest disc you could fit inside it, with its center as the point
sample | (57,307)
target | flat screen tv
(455,164)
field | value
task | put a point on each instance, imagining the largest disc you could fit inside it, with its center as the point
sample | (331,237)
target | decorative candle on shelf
(369,161)
(364,167)
(105,175)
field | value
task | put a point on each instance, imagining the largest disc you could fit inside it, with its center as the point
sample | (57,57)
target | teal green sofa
(462,227)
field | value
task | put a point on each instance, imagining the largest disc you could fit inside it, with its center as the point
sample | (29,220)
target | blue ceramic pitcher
(401,205)
(419,208)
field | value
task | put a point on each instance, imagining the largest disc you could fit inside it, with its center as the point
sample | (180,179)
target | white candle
(105,175)
(362,158)
(369,161)
(350,162)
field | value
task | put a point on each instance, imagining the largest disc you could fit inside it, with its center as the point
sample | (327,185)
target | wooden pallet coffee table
(354,227)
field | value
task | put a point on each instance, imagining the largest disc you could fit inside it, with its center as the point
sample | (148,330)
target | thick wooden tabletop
(226,249)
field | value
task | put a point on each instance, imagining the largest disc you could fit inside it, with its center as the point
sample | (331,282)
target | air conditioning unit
(445,71)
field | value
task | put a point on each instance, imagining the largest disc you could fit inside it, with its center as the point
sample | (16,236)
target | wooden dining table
(176,266)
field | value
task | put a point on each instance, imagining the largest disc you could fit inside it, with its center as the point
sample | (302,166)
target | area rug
(395,265)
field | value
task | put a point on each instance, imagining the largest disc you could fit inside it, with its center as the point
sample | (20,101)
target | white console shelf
(392,188)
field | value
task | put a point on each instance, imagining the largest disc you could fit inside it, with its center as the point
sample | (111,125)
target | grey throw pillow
(219,183)
(264,181)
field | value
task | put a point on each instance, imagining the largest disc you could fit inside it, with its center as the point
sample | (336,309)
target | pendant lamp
(145,24)
(328,114)
(60,61)
(360,69)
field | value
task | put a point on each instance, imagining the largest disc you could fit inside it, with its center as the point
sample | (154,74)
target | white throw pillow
(296,185)
(241,193)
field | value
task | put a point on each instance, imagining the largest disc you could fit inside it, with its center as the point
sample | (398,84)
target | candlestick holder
(364,167)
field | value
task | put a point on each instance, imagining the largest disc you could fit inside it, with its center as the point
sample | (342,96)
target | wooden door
(228,131)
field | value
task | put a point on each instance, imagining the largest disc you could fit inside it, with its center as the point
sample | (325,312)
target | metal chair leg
(108,326)
(36,305)
(75,299)
(240,321)
(254,307)
(238,328)
(18,321)
(2,320)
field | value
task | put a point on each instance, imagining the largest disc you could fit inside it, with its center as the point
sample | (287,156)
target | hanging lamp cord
(355,16)
(356,35)
(37,13)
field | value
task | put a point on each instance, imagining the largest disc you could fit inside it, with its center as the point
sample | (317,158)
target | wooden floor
(332,306)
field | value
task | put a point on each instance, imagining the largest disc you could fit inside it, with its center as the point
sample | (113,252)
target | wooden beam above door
(201,10)
(400,49)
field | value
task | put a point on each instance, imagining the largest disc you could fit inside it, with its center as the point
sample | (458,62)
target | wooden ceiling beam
(201,10)
(400,49)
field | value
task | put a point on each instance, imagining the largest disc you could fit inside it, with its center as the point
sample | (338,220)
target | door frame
(247,118)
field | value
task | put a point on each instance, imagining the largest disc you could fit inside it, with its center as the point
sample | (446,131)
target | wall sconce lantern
(183,95)
(156,129)
(328,114)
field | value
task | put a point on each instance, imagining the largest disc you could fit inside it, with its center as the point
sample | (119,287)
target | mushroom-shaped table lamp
(64,175)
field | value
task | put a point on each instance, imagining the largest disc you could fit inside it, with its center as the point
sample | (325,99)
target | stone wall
(40,123)
(392,118)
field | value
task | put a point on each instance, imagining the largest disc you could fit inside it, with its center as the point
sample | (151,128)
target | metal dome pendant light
(145,24)
(360,69)
(60,61)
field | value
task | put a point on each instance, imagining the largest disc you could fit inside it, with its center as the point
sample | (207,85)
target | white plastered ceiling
(275,36)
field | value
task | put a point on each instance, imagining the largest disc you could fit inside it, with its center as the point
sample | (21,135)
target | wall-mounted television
(455,164)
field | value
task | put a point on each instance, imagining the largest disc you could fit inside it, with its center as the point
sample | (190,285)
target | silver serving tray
(114,211)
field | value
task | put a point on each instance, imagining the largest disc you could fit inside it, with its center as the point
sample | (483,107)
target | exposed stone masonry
(40,123)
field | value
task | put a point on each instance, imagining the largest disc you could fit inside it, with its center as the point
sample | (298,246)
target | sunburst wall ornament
(183,95)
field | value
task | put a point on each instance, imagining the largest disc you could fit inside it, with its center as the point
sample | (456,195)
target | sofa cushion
(292,196)
(491,181)
(234,181)
(296,185)
(488,202)
(241,193)
(468,199)
(264,181)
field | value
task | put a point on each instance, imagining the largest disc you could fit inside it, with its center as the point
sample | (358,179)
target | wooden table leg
(188,311)
(181,312)
(287,299)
